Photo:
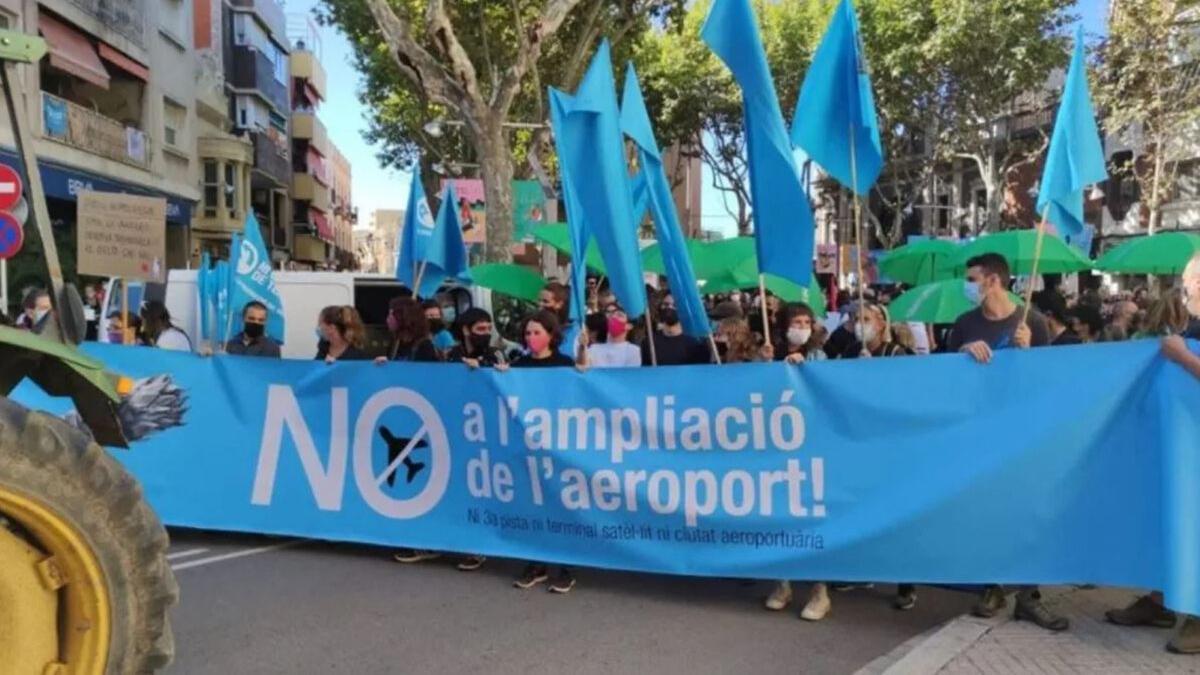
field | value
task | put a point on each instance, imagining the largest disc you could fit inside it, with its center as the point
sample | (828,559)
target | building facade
(344,215)
(312,206)
(112,108)
(384,233)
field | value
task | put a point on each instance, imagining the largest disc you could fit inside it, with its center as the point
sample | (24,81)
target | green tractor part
(85,586)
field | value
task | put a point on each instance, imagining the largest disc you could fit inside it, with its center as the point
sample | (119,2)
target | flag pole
(1037,257)
(420,272)
(858,233)
(712,343)
(650,339)
(762,302)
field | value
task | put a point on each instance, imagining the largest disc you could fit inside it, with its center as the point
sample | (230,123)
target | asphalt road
(267,605)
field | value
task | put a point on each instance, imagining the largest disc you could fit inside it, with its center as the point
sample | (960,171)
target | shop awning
(124,63)
(324,229)
(71,52)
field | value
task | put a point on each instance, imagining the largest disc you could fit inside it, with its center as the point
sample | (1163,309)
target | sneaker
(818,605)
(563,582)
(780,597)
(470,563)
(1030,608)
(906,598)
(1188,639)
(412,555)
(843,586)
(991,603)
(1143,612)
(531,576)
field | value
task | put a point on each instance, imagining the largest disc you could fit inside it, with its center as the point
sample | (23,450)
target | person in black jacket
(340,335)
(411,340)
(473,330)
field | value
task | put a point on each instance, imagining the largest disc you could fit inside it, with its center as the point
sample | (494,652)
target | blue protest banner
(831,470)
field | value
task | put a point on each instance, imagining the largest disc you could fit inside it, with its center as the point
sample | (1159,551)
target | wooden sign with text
(122,235)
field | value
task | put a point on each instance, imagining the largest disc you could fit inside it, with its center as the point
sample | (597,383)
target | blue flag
(218,288)
(635,122)
(783,221)
(576,226)
(1076,156)
(592,150)
(444,254)
(252,280)
(836,110)
(205,295)
(415,234)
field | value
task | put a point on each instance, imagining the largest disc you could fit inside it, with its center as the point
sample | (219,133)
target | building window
(174,18)
(211,188)
(231,189)
(279,122)
(174,123)
(281,65)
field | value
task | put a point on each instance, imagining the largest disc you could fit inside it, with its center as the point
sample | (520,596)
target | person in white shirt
(616,351)
(158,331)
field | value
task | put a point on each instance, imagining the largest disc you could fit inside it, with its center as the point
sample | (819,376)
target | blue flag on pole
(576,225)
(204,295)
(253,279)
(593,151)
(218,288)
(445,254)
(783,221)
(1076,156)
(635,122)
(835,112)
(416,233)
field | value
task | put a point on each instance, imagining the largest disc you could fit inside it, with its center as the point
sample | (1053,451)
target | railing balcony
(305,66)
(271,13)
(85,129)
(252,70)
(271,156)
(306,126)
(306,188)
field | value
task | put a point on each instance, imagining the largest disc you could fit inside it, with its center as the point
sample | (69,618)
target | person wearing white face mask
(795,328)
(996,323)
(873,336)
(36,314)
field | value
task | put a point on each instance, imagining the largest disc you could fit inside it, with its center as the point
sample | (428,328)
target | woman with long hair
(1168,315)
(340,335)
(158,331)
(411,340)
(796,335)
(736,343)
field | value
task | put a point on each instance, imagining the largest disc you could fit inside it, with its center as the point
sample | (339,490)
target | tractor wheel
(84,582)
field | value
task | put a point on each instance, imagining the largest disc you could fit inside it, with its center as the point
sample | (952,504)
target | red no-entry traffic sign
(12,235)
(10,187)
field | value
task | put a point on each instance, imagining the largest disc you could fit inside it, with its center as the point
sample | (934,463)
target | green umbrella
(920,262)
(937,302)
(517,281)
(558,237)
(652,260)
(1018,246)
(1165,253)
(745,276)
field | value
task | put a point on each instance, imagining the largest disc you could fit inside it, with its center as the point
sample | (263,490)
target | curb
(933,650)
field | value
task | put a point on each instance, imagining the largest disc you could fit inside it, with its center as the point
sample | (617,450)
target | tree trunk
(496,168)
(993,182)
(1155,186)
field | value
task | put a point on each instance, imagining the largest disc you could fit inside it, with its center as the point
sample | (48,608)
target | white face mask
(973,292)
(865,332)
(798,337)
(40,314)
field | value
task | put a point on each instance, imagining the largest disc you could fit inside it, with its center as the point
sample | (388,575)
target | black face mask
(253,330)
(479,343)
(669,316)
(722,348)
(436,325)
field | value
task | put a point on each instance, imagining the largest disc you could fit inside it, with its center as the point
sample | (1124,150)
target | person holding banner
(474,348)
(873,335)
(253,341)
(411,340)
(340,335)
(616,351)
(543,340)
(556,299)
(795,330)
(673,347)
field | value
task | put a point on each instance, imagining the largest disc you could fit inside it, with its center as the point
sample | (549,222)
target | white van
(304,295)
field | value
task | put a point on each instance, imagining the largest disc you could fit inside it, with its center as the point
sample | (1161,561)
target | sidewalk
(1001,646)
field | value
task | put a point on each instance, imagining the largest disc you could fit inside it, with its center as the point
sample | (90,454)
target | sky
(375,187)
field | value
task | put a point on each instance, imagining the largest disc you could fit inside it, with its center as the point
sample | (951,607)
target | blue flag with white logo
(445,254)
(592,150)
(416,233)
(835,122)
(252,280)
(783,221)
(1076,156)
(635,122)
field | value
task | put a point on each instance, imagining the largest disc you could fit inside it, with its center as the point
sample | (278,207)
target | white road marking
(236,554)
(186,554)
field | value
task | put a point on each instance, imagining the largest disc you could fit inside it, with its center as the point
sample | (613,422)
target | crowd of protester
(742,331)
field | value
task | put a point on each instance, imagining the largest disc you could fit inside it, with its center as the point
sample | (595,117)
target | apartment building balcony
(85,129)
(307,127)
(272,160)
(306,188)
(251,70)
(269,12)
(306,68)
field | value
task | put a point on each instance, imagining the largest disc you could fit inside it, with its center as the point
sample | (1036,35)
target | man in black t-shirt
(671,346)
(997,324)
